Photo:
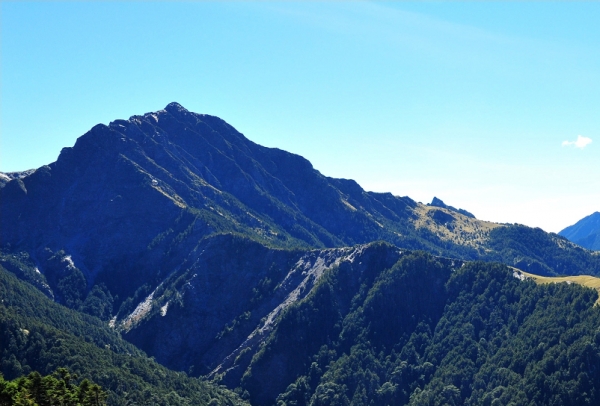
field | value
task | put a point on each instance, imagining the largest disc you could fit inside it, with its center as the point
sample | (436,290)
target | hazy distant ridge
(586,232)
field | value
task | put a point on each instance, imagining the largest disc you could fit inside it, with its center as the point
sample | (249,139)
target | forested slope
(39,335)
(427,332)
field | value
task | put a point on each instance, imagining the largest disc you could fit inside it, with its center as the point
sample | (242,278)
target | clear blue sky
(470,102)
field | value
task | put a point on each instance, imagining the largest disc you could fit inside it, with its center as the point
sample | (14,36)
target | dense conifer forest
(423,333)
(55,389)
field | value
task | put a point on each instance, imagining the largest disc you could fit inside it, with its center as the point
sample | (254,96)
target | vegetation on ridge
(56,389)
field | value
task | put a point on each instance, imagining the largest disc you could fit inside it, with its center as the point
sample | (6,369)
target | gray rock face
(227,288)
(8,176)
(586,232)
(231,298)
(173,213)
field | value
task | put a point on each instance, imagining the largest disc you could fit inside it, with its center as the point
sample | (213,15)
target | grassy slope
(463,230)
(583,280)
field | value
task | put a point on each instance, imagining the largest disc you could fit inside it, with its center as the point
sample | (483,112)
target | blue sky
(478,103)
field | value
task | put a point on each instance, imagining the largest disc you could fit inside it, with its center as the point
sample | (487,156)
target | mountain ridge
(198,246)
(197,176)
(586,232)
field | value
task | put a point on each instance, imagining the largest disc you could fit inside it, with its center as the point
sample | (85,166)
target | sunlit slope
(584,280)
(453,227)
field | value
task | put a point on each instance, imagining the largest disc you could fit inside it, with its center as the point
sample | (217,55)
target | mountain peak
(439,203)
(175,107)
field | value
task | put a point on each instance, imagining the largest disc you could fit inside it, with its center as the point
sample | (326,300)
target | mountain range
(244,264)
(586,232)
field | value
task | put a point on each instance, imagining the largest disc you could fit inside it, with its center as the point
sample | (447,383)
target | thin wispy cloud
(581,142)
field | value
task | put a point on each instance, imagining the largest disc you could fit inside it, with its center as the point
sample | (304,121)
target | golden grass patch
(584,280)
(462,230)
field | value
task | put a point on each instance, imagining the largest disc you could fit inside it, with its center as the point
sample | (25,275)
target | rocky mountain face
(8,176)
(586,232)
(129,193)
(243,283)
(196,244)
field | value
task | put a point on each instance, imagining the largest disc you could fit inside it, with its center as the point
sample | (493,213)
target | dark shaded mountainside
(37,334)
(224,258)
(586,232)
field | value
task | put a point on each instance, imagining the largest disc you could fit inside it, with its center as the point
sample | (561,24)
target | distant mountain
(134,202)
(586,232)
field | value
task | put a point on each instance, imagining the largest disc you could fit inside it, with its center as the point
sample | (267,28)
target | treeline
(56,389)
(426,332)
(533,250)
